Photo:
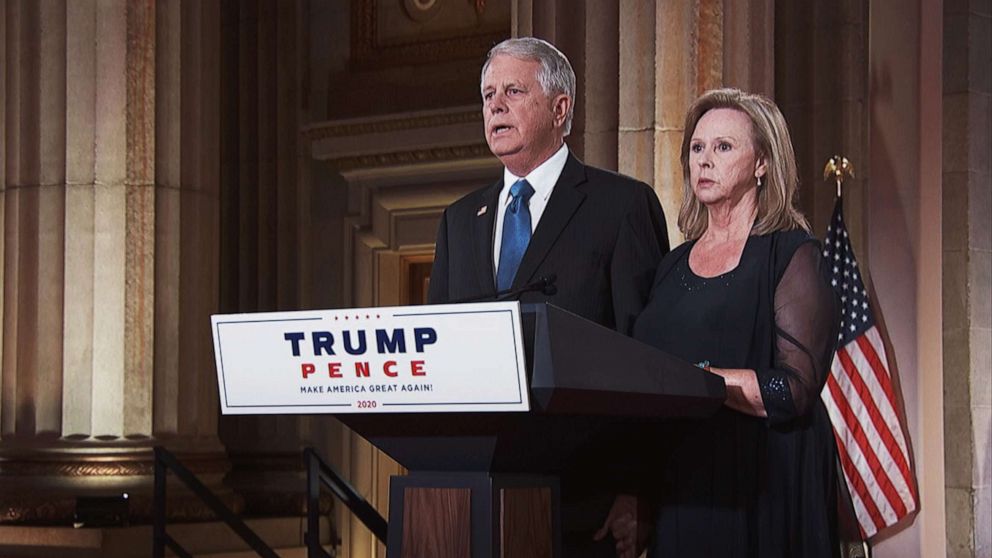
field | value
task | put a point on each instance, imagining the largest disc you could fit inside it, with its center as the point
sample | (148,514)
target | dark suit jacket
(602,234)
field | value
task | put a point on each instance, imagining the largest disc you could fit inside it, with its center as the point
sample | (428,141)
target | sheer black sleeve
(806,322)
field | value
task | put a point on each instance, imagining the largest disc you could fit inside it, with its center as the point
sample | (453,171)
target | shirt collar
(542,179)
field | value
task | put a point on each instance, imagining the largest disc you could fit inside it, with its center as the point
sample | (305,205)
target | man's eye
(487,95)
(513,91)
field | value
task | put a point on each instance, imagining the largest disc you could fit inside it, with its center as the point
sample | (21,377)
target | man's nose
(495,103)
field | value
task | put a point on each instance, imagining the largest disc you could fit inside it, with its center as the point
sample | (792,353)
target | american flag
(861,400)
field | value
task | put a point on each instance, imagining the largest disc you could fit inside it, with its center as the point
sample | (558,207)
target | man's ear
(560,107)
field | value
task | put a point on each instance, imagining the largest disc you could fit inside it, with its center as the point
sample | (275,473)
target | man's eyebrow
(512,83)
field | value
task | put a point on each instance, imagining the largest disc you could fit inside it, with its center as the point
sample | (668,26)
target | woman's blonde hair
(770,136)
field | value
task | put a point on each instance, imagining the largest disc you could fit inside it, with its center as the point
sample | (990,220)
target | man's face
(524,125)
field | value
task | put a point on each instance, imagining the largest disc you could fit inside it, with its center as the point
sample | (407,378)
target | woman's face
(723,163)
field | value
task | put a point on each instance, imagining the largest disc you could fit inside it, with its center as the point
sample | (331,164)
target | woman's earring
(759,181)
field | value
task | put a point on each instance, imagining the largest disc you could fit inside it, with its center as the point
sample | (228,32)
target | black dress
(736,485)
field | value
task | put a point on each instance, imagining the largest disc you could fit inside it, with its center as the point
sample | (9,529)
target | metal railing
(165,462)
(319,472)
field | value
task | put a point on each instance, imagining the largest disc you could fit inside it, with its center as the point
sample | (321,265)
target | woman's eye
(724,146)
(696,148)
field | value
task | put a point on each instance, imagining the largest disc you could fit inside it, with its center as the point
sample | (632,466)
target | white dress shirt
(542,180)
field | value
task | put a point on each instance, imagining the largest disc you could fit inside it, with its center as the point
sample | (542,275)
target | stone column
(586,31)
(967,264)
(639,65)
(698,45)
(187,184)
(688,60)
(588,34)
(263,228)
(109,272)
(822,89)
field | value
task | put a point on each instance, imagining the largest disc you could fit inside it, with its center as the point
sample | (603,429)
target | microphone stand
(544,285)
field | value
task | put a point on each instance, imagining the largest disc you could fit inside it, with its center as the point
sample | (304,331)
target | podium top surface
(585,380)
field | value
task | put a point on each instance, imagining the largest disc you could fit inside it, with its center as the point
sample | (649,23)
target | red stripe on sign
(877,470)
(854,477)
(876,418)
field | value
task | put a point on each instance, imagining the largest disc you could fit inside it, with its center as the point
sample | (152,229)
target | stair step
(209,539)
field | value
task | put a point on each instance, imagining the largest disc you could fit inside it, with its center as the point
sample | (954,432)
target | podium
(486,485)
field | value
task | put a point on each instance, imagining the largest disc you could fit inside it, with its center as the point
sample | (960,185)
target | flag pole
(838,168)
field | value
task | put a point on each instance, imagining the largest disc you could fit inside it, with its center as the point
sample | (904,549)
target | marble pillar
(109,201)
(639,65)
(262,230)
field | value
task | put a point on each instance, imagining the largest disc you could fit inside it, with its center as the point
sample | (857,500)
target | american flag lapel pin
(482,211)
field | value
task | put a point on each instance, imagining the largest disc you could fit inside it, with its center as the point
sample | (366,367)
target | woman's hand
(743,393)
(629,524)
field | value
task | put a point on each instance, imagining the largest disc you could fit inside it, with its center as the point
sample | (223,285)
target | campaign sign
(438,358)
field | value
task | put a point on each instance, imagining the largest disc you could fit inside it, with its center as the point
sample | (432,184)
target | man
(599,233)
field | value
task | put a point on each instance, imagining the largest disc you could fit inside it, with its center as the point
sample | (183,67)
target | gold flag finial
(838,168)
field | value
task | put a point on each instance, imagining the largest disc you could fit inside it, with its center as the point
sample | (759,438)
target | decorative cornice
(359,128)
(34,508)
(43,508)
(103,466)
(469,47)
(412,157)
(367,54)
(75,469)
(29,498)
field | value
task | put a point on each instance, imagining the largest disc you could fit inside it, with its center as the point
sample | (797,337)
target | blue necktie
(516,234)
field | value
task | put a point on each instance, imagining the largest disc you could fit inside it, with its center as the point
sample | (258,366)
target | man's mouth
(499,130)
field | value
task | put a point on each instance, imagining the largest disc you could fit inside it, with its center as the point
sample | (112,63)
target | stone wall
(967,252)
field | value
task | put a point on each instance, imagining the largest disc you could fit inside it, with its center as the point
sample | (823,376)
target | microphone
(544,285)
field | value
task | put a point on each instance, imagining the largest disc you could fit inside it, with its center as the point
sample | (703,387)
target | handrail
(164,462)
(320,472)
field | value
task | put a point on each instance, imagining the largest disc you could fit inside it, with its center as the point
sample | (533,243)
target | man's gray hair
(555,76)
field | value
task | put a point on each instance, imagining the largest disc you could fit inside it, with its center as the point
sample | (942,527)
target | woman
(745,298)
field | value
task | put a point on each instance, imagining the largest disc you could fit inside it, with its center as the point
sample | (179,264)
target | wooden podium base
(483,484)
(473,515)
